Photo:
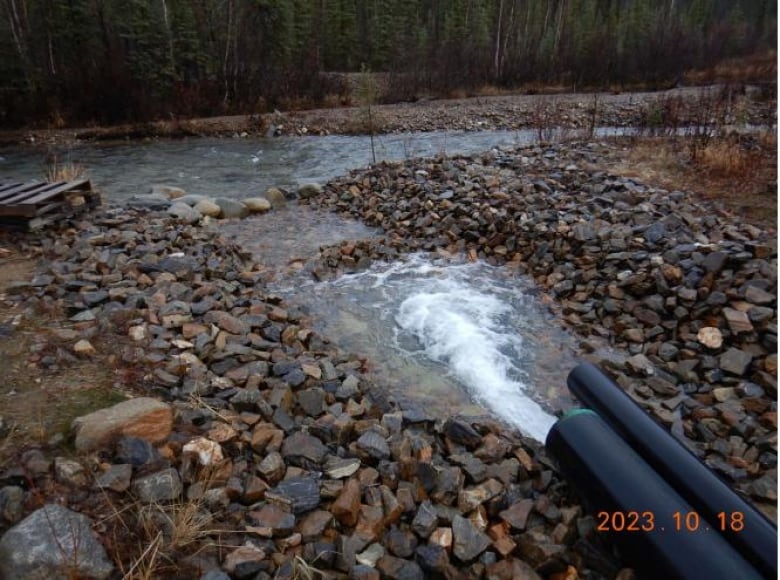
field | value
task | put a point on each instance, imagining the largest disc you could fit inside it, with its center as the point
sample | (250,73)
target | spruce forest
(108,61)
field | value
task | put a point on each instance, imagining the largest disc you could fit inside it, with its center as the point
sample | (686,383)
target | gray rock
(735,361)
(151,202)
(232,208)
(300,494)
(215,575)
(184,212)
(391,567)
(69,472)
(374,445)
(309,190)
(162,486)
(272,468)
(715,261)
(275,518)
(348,388)
(11,503)
(337,468)
(136,452)
(426,520)
(116,478)
(758,296)
(53,543)
(432,558)
(312,401)
(467,541)
(462,432)
(304,451)
(583,232)
(400,543)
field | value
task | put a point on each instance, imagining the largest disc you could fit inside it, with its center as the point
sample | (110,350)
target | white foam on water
(460,316)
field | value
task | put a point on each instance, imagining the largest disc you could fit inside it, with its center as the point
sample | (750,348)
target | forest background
(64,62)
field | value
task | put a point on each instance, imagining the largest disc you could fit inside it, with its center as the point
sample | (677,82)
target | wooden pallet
(36,204)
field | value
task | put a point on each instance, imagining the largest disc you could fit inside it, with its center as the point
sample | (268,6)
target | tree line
(105,61)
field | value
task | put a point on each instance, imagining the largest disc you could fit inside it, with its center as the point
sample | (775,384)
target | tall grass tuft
(68,171)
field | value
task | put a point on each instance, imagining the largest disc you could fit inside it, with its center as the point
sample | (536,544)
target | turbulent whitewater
(448,334)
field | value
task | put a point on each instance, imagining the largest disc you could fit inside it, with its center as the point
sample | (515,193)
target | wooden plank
(48,207)
(7,186)
(70,186)
(17,190)
(24,210)
(39,203)
(44,191)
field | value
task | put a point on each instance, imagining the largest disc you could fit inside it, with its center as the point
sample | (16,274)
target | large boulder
(53,543)
(144,417)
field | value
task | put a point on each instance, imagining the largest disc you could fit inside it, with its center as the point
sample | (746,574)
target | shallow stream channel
(443,335)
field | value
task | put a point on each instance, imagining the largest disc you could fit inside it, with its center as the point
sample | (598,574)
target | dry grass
(302,570)
(725,160)
(738,172)
(760,67)
(149,540)
(64,171)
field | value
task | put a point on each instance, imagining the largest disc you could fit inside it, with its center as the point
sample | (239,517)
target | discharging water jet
(449,335)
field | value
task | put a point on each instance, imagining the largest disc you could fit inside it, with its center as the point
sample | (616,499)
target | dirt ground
(44,386)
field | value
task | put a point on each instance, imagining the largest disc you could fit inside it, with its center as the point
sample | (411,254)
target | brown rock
(371,522)
(504,546)
(266,438)
(314,524)
(242,555)
(517,514)
(347,506)
(441,537)
(143,417)
(274,520)
(737,320)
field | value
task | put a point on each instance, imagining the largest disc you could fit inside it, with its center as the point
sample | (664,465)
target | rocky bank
(278,453)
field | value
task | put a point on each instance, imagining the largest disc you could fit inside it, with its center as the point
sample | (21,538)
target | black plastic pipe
(648,521)
(747,529)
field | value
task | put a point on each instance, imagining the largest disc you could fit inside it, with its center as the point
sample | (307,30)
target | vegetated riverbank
(276,452)
(681,107)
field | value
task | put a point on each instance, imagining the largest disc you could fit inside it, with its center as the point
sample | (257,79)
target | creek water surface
(239,167)
(242,167)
